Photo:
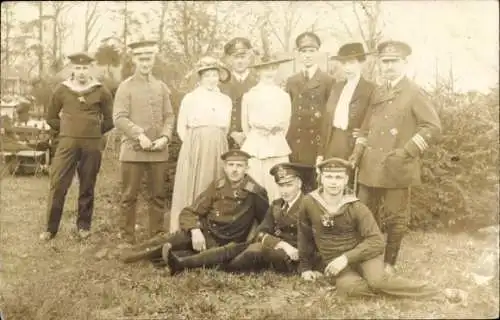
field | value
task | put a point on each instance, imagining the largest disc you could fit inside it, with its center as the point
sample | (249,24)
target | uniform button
(300,118)
(300,107)
(300,96)
(217,214)
(390,102)
(299,129)
(311,131)
(381,149)
(298,140)
(292,225)
(382,133)
(385,117)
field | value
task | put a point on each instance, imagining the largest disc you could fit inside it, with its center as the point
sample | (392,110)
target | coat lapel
(315,81)
(360,87)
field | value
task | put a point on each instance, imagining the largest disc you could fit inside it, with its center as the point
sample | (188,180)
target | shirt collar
(395,82)
(241,76)
(354,80)
(291,203)
(140,77)
(311,70)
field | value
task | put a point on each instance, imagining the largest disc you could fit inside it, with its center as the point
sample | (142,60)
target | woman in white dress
(202,125)
(265,117)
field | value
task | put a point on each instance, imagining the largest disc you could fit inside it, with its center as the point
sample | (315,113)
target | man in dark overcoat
(238,53)
(80,112)
(400,125)
(309,90)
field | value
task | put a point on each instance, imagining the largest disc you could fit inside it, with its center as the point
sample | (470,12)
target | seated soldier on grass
(215,228)
(276,241)
(344,232)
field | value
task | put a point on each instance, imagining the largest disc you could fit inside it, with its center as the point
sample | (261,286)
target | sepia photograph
(260,160)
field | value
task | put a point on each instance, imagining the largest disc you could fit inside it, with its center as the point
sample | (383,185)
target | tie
(306,75)
(286,207)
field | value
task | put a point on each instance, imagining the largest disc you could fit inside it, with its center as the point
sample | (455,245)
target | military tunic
(399,126)
(226,214)
(235,90)
(309,99)
(142,105)
(80,118)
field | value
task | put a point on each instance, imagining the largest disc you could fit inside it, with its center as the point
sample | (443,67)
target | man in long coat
(400,125)
(238,52)
(80,112)
(143,113)
(309,90)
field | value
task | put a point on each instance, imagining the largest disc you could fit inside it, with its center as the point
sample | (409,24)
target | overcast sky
(462,33)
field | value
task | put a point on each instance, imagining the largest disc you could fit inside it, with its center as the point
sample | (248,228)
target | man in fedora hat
(215,227)
(143,113)
(80,112)
(309,90)
(238,52)
(346,107)
(400,124)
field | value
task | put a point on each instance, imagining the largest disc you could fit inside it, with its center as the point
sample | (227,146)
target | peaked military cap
(307,40)
(352,50)
(287,171)
(235,155)
(81,58)
(334,165)
(236,46)
(393,49)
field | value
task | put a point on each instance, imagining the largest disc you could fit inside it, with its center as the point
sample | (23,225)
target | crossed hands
(290,250)
(156,145)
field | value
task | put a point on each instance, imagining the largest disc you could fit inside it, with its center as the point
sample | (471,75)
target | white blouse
(263,108)
(204,108)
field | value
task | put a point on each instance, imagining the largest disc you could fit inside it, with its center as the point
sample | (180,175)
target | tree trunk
(40,38)
(161,31)
(125,24)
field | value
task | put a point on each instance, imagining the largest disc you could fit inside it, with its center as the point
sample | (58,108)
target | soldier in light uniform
(238,52)
(80,112)
(215,228)
(400,125)
(309,91)
(143,113)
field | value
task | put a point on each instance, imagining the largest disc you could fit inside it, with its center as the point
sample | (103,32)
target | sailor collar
(90,85)
(346,199)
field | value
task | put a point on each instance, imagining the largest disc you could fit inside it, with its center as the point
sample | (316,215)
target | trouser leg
(371,198)
(251,259)
(350,283)
(397,218)
(279,260)
(61,175)
(157,196)
(152,249)
(379,281)
(88,169)
(131,173)
(211,257)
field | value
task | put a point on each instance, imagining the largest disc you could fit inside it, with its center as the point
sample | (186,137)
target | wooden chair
(31,158)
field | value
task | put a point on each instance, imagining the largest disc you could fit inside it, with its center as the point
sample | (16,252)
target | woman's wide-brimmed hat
(267,61)
(211,63)
(348,51)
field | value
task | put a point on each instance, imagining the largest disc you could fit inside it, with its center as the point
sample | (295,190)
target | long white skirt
(259,171)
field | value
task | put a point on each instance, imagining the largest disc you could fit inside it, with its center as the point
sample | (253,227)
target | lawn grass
(69,279)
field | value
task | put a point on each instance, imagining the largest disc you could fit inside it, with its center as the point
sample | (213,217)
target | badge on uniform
(327,220)
(81,99)
(394,131)
(277,232)
(317,114)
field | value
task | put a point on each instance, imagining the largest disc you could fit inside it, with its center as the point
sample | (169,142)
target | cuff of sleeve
(416,145)
(270,241)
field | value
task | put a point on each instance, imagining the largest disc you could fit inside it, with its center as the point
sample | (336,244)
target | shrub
(459,173)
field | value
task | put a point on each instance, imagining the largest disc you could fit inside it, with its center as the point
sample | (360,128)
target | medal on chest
(327,220)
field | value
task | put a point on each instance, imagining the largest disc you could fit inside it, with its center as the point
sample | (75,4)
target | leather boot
(211,257)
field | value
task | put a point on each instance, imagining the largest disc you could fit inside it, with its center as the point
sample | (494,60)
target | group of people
(301,178)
